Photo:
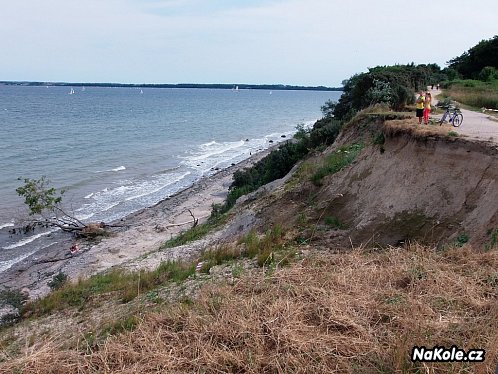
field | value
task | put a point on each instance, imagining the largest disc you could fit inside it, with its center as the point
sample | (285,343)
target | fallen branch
(196,221)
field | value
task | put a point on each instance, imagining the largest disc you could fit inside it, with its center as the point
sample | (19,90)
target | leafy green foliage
(328,108)
(274,166)
(58,281)
(393,85)
(461,240)
(324,132)
(471,63)
(488,73)
(16,298)
(280,161)
(38,196)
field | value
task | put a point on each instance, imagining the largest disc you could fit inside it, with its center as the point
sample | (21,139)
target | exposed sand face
(475,125)
(145,232)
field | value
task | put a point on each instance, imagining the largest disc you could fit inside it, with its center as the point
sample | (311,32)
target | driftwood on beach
(46,210)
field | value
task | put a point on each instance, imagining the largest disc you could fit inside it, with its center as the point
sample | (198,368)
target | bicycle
(454,116)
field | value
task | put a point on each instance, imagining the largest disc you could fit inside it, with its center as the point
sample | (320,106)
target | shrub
(488,73)
(16,298)
(58,281)
(393,85)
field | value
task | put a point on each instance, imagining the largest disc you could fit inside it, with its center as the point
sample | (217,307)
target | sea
(117,150)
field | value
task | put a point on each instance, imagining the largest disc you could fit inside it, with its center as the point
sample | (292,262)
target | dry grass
(356,312)
(412,128)
(474,93)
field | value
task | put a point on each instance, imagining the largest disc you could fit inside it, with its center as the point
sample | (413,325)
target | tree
(471,63)
(45,206)
(328,108)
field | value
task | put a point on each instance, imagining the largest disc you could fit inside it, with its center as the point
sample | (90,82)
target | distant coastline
(241,86)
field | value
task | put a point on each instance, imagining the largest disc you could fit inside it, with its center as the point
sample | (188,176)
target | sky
(296,42)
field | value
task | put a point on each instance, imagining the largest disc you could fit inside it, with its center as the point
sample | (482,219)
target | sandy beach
(142,232)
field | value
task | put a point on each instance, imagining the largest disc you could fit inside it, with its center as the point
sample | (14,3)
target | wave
(178,179)
(131,196)
(22,242)
(119,168)
(212,155)
(5,265)
(214,148)
(4,225)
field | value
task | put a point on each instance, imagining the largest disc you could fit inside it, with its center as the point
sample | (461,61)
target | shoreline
(144,231)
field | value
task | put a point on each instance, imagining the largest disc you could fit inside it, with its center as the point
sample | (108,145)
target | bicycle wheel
(458,119)
(443,118)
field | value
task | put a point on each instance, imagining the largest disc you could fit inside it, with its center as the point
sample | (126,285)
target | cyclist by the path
(475,125)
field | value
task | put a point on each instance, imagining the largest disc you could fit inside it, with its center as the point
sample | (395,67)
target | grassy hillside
(355,312)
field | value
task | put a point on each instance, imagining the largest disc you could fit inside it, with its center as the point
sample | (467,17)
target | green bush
(58,281)
(16,298)
(471,63)
(488,73)
(392,85)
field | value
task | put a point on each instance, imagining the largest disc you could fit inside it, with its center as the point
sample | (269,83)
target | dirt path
(475,125)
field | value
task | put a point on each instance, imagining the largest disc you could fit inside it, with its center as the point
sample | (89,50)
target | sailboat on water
(71,92)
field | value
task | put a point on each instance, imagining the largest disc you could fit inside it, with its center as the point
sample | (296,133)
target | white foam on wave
(214,148)
(159,188)
(119,168)
(89,195)
(209,156)
(4,225)
(7,264)
(30,239)
(131,190)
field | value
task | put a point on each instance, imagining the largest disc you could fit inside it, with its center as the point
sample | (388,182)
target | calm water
(116,150)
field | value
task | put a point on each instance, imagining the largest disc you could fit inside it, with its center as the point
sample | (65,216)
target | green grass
(452,133)
(124,284)
(493,239)
(334,222)
(336,161)
(218,256)
(267,249)
(197,232)
(476,94)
